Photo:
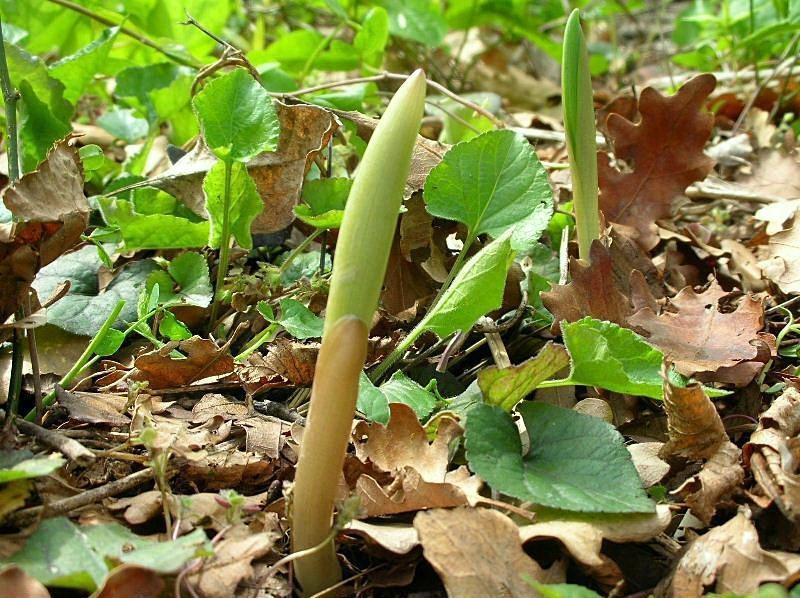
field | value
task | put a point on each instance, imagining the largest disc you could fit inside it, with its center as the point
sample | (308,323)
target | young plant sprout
(579,124)
(362,253)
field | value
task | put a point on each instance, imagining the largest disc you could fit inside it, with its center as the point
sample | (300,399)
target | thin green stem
(142,39)
(257,341)
(397,353)
(313,56)
(83,360)
(555,383)
(460,259)
(225,243)
(299,249)
(10,97)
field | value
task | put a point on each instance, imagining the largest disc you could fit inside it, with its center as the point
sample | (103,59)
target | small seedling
(579,124)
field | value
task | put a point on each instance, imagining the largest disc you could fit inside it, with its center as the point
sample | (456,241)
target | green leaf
(39,126)
(611,357)
(61,554)
(84,309)
(172,328)
(22,465)
(506,387)
(563,590)
(418,20)
(293,51)
(92,157)
(299,321)
(110,343)
(575,462)
(245,203)
(77,70)
(237,117)
(374,401)
(492,183)
(475,291)
(192,282)
(373,36)
(324,202)
(143,82)
(305,265)
(152,231)
(266,311)
(124,124)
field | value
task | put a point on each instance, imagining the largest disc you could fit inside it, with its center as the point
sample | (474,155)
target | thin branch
(142,39)
(70,448)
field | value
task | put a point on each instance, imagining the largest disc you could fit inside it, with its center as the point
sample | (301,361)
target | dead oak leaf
(203,360)
(772,454)
(782,265)
(478,553)
(700,339)
(594,291)
(729,558)
(665,152)
(50,213)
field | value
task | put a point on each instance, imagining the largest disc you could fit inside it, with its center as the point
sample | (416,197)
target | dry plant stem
(339,364)
(87,497)
(70,448)
(387,76)
(142,39)
(33,352)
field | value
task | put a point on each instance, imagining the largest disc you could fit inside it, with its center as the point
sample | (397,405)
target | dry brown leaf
(665,151)
(720,476)
(203,360)
(584,540)
(287,363)
(399,538)
(701,339)
(131,581)
(228,469)
(417,470)
(729,558)
(94,408)
(594,291)
(406,285)
(278,175)
(15,582)
(782,265)
(772,453)
(50,212)
(478,553)
(694,426)
(213,404)
(416,230)
(650,467)
(230,565)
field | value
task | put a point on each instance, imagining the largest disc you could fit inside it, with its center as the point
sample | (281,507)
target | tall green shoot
(362,254)
(579,124)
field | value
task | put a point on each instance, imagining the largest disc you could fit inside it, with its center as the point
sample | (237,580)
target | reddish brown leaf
(665,152)
(594,291)
(203,360)
(131,581)
(405,286)
(700,338)
(51,213)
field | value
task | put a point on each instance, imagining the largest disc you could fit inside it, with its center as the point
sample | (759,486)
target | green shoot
(362,254)
(579,124)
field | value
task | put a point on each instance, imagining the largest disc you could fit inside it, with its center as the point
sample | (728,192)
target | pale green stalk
(579,126)
(362,253)
(224,244)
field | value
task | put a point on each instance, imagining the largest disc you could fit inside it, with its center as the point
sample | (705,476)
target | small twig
(87,497)
(142,39)
(498,350)
(70,448)
(33,352)
(190,20)
(387,76)
(452,347)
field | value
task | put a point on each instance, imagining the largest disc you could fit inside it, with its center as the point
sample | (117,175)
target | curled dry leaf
(203,360)
(478,553)
(694,426)
(584,540)
(729,558)
(782,265)
(278,175)
(407,285)
(418,469)
(231,563)
(705,341)
(771,454)
(287,363)
(665,151)
(50,212)
(94,408)
(399,538)
(720,476)
(650,467)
